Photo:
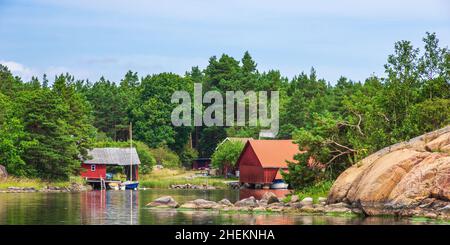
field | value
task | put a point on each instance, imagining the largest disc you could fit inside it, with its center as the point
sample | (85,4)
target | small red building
(261,161)
(100,158)
(201,163)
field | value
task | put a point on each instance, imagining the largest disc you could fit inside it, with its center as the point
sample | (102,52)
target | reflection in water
(128,207)
(109,207)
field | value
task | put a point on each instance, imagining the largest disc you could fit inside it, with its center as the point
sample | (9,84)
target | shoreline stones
(199,204)
(164,202)
(74,187)
(234,185)
(269,198)
(226,202)
(190,186)
(250,204)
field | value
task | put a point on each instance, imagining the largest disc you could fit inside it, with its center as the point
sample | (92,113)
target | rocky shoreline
(194,187)
(74,187)
(410,178)
(269,203)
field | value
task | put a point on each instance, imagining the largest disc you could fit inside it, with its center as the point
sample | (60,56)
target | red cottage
(261,161)
(95,167)
(201,163)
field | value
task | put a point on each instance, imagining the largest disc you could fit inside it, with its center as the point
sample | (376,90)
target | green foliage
(187,156)
(8,83)
(315,191)
(342,124)
(51,152)
(427,116)
(11,136)
(209,139)
(227,154)
(165,157)
(45,129)
(152,115)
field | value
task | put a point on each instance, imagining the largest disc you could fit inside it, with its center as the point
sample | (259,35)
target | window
(93,168)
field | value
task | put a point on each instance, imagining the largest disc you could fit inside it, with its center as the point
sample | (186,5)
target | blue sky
(109,37)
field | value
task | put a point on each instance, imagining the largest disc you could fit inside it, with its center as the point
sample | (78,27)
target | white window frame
(93,167)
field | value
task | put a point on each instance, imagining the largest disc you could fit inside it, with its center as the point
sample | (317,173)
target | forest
(47,126)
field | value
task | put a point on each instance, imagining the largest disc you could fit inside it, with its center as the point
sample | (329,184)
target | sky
(94,38)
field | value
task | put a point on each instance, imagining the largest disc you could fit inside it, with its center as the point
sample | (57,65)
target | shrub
(227,154)
(166,157)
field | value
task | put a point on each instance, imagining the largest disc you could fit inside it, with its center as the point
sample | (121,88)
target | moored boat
(131,185)
(279,184)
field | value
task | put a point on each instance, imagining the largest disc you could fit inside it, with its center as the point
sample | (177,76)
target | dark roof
(113,156)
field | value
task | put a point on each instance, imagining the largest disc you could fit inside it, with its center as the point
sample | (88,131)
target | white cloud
(26,72)
(20,70)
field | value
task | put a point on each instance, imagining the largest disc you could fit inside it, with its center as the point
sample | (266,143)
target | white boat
(279,184)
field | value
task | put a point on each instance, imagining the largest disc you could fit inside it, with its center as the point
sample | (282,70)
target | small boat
(279,184)
(131,185)
(114,186)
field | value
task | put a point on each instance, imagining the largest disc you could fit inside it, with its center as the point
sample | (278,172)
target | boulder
(322,200)
(275,209)
(295,205)
(307,209)
(247,202)
(307,201)
(75,187)
(225,202)
(338,208)
(407,178)
(164,202)
(430,178)
(259,209)
(199,204)
(269,197)
(189,205)
(318,208)
(277,204)
(439,144)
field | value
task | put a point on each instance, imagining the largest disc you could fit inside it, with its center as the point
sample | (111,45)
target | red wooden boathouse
(95,167)
(261,161)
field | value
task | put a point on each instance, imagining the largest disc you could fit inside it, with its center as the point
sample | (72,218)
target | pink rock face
(378,180)
(402,176)
(430,178)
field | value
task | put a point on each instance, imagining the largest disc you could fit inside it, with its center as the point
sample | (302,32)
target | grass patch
(37,183)
(164,178)
(318,190)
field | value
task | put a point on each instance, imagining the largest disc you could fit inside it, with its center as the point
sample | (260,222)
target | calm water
(128,207)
